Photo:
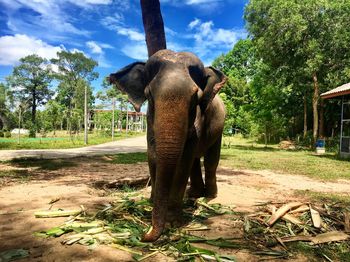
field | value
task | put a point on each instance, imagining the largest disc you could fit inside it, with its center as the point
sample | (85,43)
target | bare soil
(80,184)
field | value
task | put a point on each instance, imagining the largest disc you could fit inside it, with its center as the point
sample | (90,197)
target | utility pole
(85,117)
(19,125)
(113,110)
(127,117)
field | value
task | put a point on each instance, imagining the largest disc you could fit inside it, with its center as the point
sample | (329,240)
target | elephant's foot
(194,192)
(211,192)
(175,217)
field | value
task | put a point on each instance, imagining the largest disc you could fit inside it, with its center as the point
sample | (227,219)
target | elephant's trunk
(170,136)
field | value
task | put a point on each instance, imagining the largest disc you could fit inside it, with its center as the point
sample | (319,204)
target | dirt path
(75,185)
(129,145)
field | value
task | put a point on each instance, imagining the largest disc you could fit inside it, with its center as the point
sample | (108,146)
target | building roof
(339,91)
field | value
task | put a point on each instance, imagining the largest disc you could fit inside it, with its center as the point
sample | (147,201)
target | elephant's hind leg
(197,185)
(211,161)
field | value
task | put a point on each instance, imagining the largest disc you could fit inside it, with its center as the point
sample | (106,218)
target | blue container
(320,143)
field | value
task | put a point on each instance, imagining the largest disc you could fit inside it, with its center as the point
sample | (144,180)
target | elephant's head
(178,89)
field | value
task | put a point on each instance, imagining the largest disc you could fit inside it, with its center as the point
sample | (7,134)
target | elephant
(185,120)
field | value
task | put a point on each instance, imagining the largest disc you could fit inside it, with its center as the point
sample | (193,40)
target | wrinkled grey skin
(185,122)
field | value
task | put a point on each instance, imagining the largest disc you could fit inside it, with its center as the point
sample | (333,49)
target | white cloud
(203,5)
(197,2)
(194,23)
(131,33)
(94,47)
(206,35)
(116,23)
(46,14)
(97,49)
(12,48)
(169,31)
(210,41)
(136,51)
(95,2)
(135,47)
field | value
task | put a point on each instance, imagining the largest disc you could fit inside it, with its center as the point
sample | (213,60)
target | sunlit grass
(130,158)
(60,141)
(240,153)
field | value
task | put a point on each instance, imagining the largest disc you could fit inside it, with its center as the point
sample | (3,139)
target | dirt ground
(80,184)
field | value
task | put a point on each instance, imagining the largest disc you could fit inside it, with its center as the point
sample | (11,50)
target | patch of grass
(130,158)
(323,197)
(60,142)
(43,164)
(14,173)
(20,175)
(241,153)
(333,251)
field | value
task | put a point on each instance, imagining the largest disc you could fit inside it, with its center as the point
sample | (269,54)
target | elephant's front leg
(197,185)
(211,161)
(151,154)
(152,172)
(179,184)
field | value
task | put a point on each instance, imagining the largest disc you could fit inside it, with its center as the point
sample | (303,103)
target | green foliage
(238,65)
(75,72)
(302,44)
(33,76)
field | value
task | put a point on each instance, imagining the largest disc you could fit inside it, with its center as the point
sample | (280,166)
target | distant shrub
(7,134)
(1,133)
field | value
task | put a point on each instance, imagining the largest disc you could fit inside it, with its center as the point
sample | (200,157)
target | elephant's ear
(215,81)
(131,80)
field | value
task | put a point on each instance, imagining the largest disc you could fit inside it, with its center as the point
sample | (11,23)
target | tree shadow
(42,164)
(252,148)
(331,157)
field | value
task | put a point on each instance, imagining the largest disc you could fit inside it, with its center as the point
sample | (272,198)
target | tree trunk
(33,133)
(321,128)
(305,116)
(315,107)
(153,25)
(4,121)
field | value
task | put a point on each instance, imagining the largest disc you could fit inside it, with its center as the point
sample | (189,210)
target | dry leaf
(282,211)
(316,218)
(296,238)
(329,237)
(347,222)
(292,219)
(300,209)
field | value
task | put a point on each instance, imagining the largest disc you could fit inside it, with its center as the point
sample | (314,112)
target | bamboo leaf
(13,254)
(56,213)
(126,249)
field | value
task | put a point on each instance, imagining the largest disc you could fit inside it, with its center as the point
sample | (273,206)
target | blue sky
(111,31)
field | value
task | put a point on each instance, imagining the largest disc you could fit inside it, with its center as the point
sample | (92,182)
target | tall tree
(239,65)
(30,82)
(5,99)
(75,72)
(111,96)
(308,37)
(153,25)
